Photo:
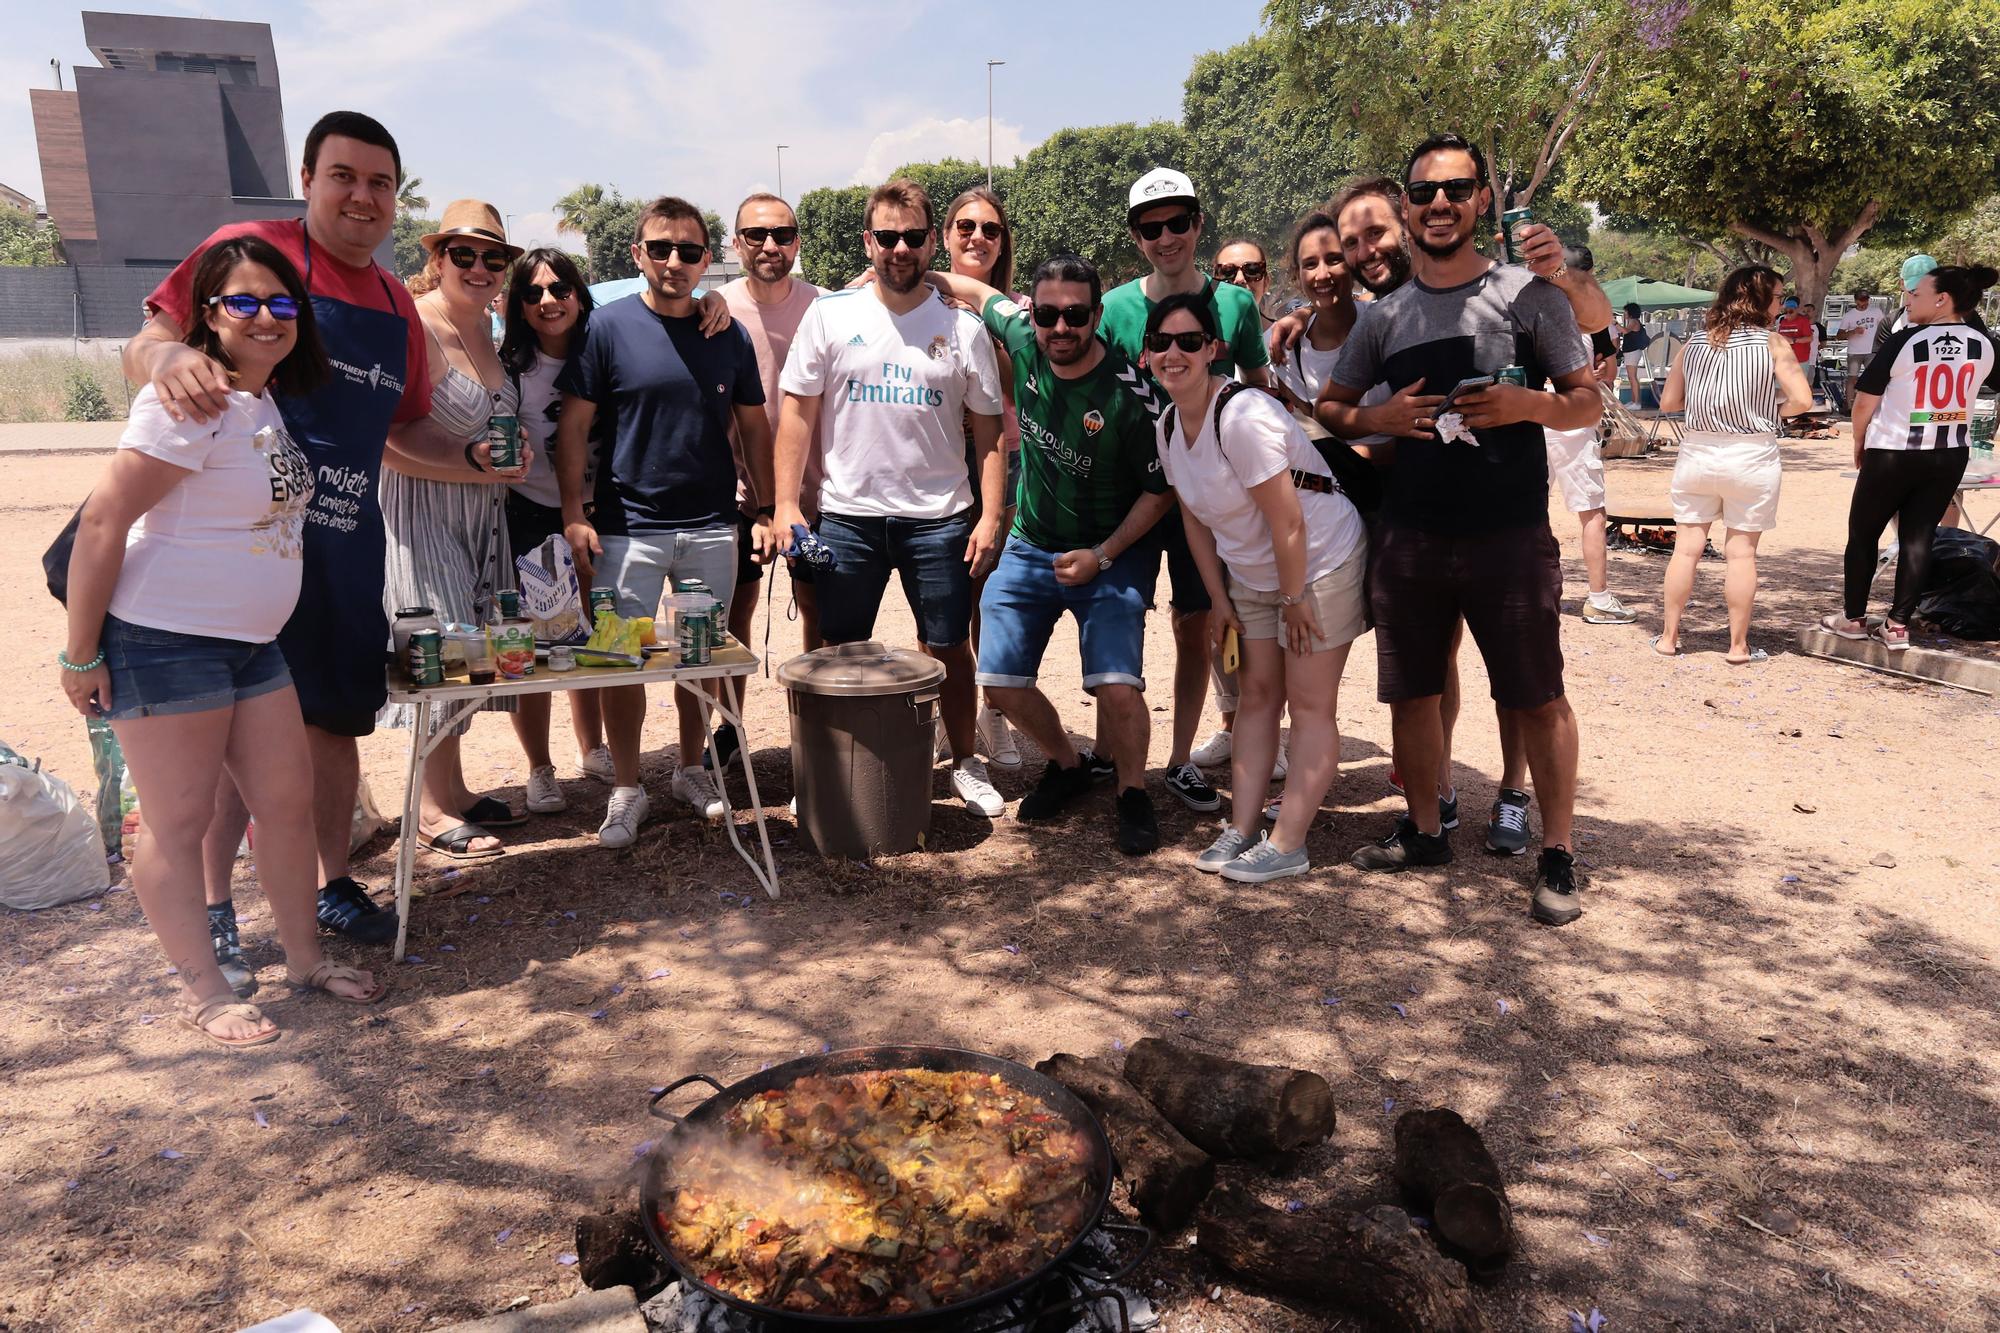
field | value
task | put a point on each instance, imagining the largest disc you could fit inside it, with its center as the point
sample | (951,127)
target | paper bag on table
(551,594)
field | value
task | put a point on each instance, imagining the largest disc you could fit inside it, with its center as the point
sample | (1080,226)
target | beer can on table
(503,435)
(514,649)
(1512,221)
(601,600)
(426,658)
(510,604)
(694,633)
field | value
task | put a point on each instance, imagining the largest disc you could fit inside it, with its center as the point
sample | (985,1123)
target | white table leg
(406,848)
(767,873)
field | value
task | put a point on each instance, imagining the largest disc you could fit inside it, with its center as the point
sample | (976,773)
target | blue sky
(516,101)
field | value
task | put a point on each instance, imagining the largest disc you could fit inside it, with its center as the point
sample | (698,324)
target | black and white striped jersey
(1927,376)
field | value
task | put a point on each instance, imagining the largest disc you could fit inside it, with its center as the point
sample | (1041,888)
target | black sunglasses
(914,237)
(1458,190)
(689,251)
(1177,225)
(1076,316)
(1252,272)
(242,305)
(1187,342)
(990,230)
(464,256)
(782,235)
(531,292)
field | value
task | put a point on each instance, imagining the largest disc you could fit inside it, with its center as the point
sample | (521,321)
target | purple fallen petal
(97,907)
(1412,990)
(1011,948)
(1665,1174)
(1388,1105)
(173,971)
(447,948)
(459,1024)
(1330,1000)
(659,972)
(598,1013)
(485,1071)
(451,874)
(1417,1220)
(69,990)
(825,1047)
(1401,1012)
(262,1121)
(147,1020)
(482,899)
(569,916)
(1183,1013)
(411,958)
(1594,1238)
(654,1092)
(641,1149)
(617,988)
(1294,1206)
(72,1184)
(1503,1005)
(171,1155)
(340,1119)
(1595,1323)
(412,1308)
(501,1239)
(1117,1045)
(472,916)
(566,1260)
(1788,879)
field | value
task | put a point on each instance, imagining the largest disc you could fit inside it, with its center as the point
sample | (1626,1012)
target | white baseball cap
(1161,185)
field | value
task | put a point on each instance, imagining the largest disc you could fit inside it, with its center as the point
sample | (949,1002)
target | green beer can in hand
(1510,222)
(503,440)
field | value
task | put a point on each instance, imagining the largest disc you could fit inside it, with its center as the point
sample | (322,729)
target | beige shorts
(1339,598)
(1576,465)
(1731,477)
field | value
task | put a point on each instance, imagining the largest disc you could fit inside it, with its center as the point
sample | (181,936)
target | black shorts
(1187,593)
(1508,587)
(530,524)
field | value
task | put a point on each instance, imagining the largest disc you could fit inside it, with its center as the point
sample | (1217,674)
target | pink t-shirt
(771,328)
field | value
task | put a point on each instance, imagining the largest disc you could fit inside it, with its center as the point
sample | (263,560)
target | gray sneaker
(1507,828)
(1262,860)
(1615,614)
(1222,851)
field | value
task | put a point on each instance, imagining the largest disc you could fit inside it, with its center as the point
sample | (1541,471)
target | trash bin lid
(857,669)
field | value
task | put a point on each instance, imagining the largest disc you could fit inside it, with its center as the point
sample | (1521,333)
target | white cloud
(932,139)
(529,230)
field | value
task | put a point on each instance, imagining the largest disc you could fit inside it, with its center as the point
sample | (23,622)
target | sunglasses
(914,237)
(1458,190)
(990,230)
(1076,316)
(757,235)
(1253,272)
(531,292)
(1177,225)
(689,251)
(242,305)
(463,256)
(1187,342)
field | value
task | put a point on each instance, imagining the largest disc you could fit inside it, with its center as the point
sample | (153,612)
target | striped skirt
(447,550)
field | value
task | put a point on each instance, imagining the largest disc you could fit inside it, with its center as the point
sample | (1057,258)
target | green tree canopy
(1069,194)
(830,234)
(1800,124)
(408,234)
(410,196)
(26,242)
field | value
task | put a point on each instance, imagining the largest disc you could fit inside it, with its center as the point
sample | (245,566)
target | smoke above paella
(885,1192)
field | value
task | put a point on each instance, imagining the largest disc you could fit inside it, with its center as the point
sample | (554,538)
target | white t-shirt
(1304,369)
(1214,482)
(220,556)
(1858,327)
(540,409)
(894,391)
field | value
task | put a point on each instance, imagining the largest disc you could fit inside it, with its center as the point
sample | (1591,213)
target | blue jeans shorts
(643,567)
(928,554)
(1022,602)
(159,672)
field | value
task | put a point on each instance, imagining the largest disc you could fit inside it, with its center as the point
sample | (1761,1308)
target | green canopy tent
(1652,295)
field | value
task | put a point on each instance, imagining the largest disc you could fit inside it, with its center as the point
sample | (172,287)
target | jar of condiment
(562,657)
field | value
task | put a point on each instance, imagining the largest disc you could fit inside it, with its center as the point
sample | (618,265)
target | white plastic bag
(551,594)
(50,850)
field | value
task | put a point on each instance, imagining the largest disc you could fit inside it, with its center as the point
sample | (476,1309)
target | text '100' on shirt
(893,393)
(1928,377)
(1504,316)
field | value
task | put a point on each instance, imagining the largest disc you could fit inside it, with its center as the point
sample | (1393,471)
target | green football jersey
(1126,311)
(1087,445)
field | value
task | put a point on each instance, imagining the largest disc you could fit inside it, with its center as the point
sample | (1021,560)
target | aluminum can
(602,600)
(514,649)
(692,629)
(503,434)
(692,585)
(510,604)
(1511,375)
(426,660)
(1510,222)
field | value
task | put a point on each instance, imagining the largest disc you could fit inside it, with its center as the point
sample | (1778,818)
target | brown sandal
(329,971)
(199,1016)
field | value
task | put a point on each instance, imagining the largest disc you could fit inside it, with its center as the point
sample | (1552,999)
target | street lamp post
(781,169)
(989,120)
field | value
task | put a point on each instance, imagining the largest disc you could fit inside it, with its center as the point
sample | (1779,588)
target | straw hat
(471,220)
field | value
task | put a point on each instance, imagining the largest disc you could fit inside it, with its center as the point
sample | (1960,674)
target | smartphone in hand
(1471,385)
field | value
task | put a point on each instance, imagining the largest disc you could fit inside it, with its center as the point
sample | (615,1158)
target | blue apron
(335,639)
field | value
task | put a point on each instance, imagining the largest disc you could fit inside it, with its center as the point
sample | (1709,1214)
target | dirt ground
(1746,1090)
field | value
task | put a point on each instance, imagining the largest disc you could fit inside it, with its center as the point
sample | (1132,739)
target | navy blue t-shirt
(668,394)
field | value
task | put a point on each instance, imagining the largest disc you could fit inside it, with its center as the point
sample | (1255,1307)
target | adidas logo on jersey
(857,341)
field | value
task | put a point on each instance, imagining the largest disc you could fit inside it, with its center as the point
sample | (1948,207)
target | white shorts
(1576,465)
(1633,358)
(1731,477)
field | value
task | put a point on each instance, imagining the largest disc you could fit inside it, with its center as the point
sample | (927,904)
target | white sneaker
(1215,751)
(997,739)
(969,780)
(697,788)
(597,764)
(1283,764)
(622,817)
(545,795)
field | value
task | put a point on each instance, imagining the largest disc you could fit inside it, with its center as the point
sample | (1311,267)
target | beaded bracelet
(62,660)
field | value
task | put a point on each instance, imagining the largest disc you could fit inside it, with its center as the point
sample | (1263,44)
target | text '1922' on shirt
(670,393)
(1086,443)
(1927,376)
(893,390)
(1504,316)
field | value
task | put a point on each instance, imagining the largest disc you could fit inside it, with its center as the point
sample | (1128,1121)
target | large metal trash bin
(862,748)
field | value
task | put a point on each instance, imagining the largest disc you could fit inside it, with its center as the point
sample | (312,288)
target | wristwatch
(1284,600)
(1103,560)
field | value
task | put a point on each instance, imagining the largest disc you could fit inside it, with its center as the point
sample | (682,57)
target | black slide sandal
(494,813)
(454,843)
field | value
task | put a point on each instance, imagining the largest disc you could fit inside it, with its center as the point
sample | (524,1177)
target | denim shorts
(159,672)
(1022,603)
(928,554)
(644,566)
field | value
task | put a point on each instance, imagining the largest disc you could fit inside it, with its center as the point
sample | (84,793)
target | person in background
(1243,262)
(1912,438)
(1283,552)
(1736,383)
(546,312)
(1319,271)
(187,563)
(1633,340)
(447,531)
(1858,327)
(1811,312)
(1797,328)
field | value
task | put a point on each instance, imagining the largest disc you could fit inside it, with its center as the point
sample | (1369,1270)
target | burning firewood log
(1375,1262)
(1165,1174)
(1229,1108)
(1443,1167)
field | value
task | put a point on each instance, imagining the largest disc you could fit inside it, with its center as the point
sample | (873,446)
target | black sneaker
(1058,788)
(1188,783)
(228,944)
(1448,809)
(1555,889)
(1138,830)
(728,745)
(1404,847)
(1507,828)
(1102,768)
(345,909)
